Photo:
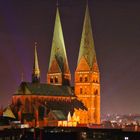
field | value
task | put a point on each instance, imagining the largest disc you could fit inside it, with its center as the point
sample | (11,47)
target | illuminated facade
(56,103)
(87,76)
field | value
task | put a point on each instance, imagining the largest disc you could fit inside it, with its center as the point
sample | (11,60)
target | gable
(8,113)
(23,89)
(83,65)
(54,68)
(56,115)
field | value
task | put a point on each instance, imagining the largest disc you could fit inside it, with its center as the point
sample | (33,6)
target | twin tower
(87,76)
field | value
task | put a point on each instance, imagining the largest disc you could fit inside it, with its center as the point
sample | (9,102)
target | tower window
(96,81)
(81,79)
(56,79)
(96,92)
(85,89)
(86,79)
(81,90)
(51,80)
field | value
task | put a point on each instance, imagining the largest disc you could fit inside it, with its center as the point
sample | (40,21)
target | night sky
(116,31)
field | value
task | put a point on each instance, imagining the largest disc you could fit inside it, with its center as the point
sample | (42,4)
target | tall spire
(87,76)
(58,52)
(87,49)
(36,71)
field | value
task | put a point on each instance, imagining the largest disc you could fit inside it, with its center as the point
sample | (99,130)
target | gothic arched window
(86,79)
(51,80)
(96,92)
(56,79)
(81,90)
(81,79)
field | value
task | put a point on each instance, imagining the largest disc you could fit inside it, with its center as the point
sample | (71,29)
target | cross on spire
(87,2)
(35,44)
(57,3)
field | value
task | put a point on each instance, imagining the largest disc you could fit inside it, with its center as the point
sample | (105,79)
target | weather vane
(35,44)
(57,3)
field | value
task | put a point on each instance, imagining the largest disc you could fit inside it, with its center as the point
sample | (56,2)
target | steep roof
(83,65)
(87,48)
(44,89)
(8,113)
(54,68)
(58,51)
(36,70)
(57,115)
(38,89)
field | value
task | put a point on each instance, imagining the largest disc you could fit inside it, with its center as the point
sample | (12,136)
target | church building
(56,103)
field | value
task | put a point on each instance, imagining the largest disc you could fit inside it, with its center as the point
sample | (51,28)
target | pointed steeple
(36,71)
(87,75)
(87,49)
(58,52)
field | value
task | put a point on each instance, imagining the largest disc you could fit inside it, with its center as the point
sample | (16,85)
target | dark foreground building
(65,133)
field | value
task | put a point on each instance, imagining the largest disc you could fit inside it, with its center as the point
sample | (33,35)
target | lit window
(126,138)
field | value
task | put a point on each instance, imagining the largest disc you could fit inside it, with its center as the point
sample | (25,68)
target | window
(96,92)
(81,90)
(85,90)
(51,80)
(81,79)
(56,79)
(96,80)
(86,79)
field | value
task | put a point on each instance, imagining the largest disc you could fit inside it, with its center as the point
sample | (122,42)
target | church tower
(87,76)
(36,71)
(58,72)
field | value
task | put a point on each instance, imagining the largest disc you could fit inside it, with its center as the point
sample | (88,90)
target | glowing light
(126,138)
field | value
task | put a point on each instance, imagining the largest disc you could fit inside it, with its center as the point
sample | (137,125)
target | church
(56,102)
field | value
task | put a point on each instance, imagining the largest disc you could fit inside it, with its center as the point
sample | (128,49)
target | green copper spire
(58,65)
(58,51)
(36,71)
(87,49)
